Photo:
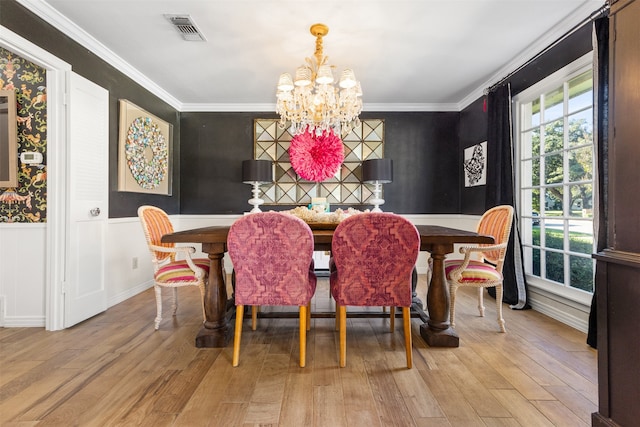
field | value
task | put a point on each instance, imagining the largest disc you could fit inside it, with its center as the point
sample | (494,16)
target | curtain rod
(602,11)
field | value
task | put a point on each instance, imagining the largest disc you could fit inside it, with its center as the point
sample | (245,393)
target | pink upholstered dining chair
(486,270)
(373,255)
(272,256)
(168,271)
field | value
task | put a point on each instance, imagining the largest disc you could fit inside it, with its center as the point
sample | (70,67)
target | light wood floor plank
(208,398)
(454,405)
(523,410)
(116,370)
(513,373)
(476,394)
(329,410)
(394,411)
(297,402)
(325,353)
(359,404)
(417,396)
(576,402)
(559,414)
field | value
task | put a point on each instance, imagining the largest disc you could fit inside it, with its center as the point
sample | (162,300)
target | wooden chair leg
(237,335)
(158,291)
(303,335)
(408,344)
(204,314)
(392,319)
(174,306)
(481,301)
(254,317)
(499,291)
(343,336)
(452,305)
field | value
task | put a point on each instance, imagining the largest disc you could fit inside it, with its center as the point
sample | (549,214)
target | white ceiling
(408,54)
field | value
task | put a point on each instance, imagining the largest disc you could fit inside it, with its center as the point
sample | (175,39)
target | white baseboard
(558,309)
(24,322)
(123,296)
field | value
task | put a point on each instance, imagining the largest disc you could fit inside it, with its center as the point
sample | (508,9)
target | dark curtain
(500,189)
(601,141)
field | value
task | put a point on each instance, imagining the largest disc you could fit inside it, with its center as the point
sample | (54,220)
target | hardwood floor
(115,370)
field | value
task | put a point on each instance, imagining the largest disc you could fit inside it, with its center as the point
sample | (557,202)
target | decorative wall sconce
(256,172)
(377,172)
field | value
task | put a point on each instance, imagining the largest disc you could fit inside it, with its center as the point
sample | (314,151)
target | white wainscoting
(23,269)
(129,270)
(22,274)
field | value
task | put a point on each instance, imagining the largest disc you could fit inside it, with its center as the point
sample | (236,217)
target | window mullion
(560,243)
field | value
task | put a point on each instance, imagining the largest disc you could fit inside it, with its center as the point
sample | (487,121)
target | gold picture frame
(8,139)
(145,151)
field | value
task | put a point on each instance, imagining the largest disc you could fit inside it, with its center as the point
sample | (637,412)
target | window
(555,179)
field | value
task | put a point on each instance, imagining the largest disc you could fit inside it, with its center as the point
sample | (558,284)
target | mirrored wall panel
(271,142)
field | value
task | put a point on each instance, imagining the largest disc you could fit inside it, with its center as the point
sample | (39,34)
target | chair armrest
(174,249)
(467,251)
(187,251)
(487,248)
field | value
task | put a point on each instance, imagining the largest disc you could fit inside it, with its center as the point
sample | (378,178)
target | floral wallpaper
(28,201)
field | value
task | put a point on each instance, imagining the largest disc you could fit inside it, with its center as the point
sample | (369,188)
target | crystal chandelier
(312,101)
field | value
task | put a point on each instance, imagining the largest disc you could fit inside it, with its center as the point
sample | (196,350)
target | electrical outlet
(134,262)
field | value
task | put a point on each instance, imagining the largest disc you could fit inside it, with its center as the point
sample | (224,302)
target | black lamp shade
(377,170)
(257,171)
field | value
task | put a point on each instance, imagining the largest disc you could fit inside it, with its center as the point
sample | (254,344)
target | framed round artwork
(144,151)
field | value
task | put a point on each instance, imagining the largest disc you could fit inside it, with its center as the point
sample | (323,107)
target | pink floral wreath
(316,158)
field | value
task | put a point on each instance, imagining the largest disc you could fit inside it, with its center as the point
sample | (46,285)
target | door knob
(95,211)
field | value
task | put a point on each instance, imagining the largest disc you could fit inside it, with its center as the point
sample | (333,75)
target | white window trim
(548,83)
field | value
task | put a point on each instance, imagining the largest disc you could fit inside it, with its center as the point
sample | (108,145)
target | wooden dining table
(219,308)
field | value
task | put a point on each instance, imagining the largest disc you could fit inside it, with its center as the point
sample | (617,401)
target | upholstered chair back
(374,256)
(155,224)
(272,256)
(496,222)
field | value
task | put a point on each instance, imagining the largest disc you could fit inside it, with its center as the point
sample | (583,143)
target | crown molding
(426,107)
(66,26)
(550,37)
(73,31)
(230,108)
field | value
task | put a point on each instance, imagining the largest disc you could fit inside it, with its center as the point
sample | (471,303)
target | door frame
(58,72)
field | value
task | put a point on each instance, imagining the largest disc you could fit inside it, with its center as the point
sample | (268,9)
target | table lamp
(256,172)
(377,172)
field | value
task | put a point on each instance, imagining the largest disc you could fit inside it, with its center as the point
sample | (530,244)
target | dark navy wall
(473,119)
(473,130)
(423,147)
(213,148)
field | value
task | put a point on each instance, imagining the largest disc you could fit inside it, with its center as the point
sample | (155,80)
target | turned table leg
(437,332)
(215,331)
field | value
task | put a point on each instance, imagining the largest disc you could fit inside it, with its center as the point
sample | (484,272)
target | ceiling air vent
(186,27)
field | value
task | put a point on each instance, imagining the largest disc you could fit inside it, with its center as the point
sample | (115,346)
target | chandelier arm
(319,105)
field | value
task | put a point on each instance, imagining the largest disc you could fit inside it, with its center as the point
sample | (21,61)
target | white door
(87,210)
